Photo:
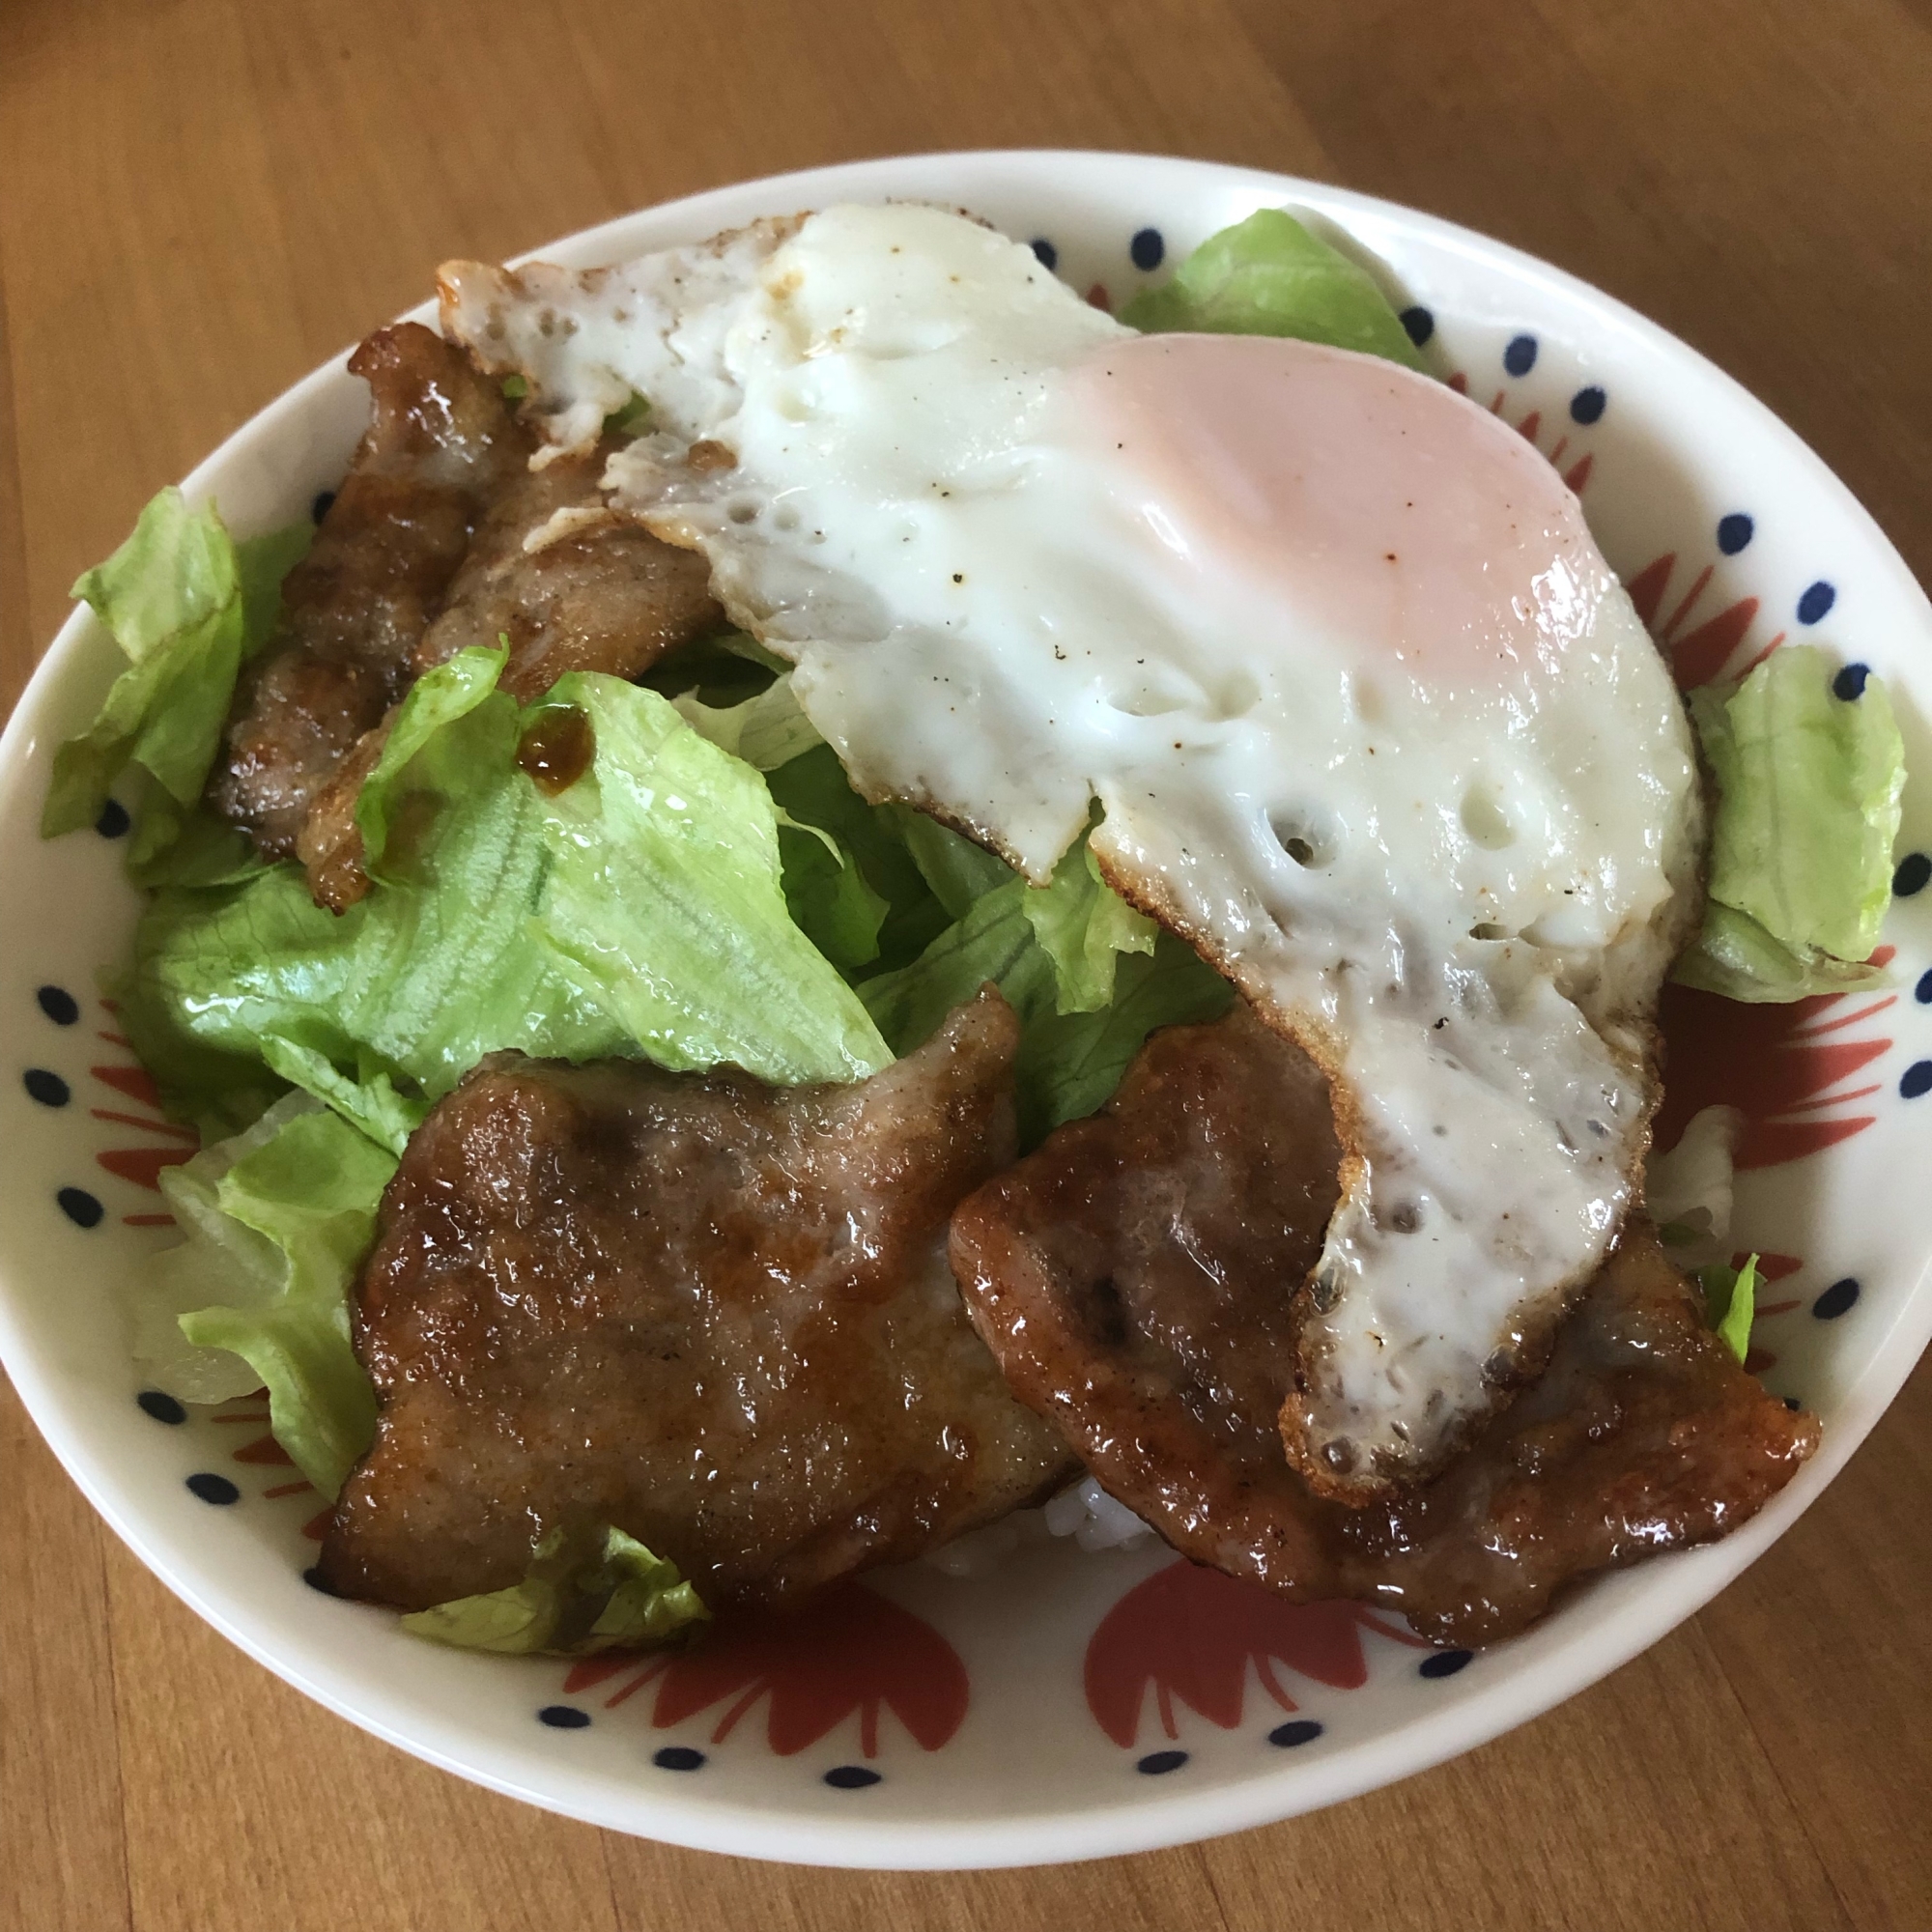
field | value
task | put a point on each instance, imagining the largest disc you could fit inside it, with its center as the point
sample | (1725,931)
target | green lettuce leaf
(1069,1061)
(176,845)
(813,790)
(1268,275)
(642,909)
(186,603)
(993,941)
(665,896)
(767,730)
(1808,787)
(622,1598)
(175,569)
(958,871)
(1084,925)
(276,1222)
(826,890)
(423,978)
(828,896)
(1735,956)
(369,1102)
(438,700)
(1730,1303)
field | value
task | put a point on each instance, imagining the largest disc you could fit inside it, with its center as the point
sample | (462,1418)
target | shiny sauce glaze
(557,748)
(713,1312)
(1136,1275)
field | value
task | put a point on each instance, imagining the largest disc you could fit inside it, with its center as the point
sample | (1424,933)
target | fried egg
(1369,718)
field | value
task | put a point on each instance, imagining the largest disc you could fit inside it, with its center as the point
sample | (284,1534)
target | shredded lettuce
(1270,276)
(813,793)
(665,896)
(1070,1060)
(420,757)
(641,909)
(766,730)
(1084,927)
(369,1101)
(622,1598)
(1730,1302)
(186,604)
(172,845)
(1069,1064)
(276,1221)
(1809,785)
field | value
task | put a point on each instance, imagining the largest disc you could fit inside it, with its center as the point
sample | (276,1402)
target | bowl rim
(1553,1665)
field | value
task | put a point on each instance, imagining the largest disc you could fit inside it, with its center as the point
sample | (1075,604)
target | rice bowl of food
(978,1009)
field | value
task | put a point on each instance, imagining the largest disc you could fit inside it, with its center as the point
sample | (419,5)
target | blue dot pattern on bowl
(1734,532)
(1587,406)
(1816,602)
(58,1003)
(564,1717)
(1046,253)
(1157,1764)
(1519,357)
(1444,1664)
(851,1776)
(1419,322)
(678,1757)
(46,1087)
(1914,870)
(1923,992)
(1916,1079)
(1850,682)
(1297,1731)
(213,1489)
(1840,1298)
(1148,250)
(82,1208)
(113,822)
(162,1407)
(324,501)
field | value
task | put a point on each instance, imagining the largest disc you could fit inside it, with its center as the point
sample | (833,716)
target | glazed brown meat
(572,585)
(715,1314)
(1135,1278)
(597,592)
(442,441)
(329,843)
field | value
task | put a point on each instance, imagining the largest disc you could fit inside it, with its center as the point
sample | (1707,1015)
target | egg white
(1371,720)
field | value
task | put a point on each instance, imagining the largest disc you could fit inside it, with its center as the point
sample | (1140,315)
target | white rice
(1085,1512)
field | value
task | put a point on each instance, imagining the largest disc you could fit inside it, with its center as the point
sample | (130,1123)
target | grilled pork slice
(439,536)
(1136,1276)
(571,583)
(440,441)
(715,1314)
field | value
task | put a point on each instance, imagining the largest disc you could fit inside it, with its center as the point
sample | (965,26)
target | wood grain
(200,199)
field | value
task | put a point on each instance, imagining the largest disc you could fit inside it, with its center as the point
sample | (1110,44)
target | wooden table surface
(201,199)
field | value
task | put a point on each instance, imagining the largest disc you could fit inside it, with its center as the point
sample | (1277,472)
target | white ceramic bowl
(1069,1705)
